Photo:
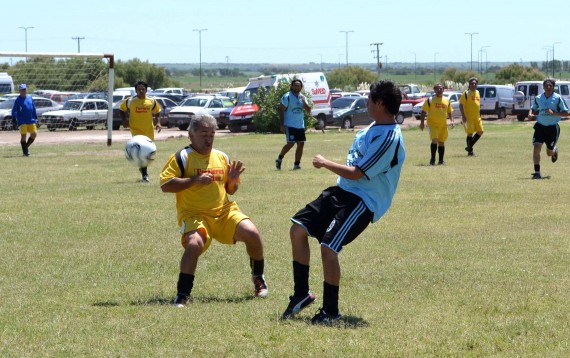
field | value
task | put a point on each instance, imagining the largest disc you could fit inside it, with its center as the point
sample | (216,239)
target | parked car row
(42,104)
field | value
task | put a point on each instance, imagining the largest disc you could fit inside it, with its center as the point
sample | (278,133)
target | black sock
(468,141)
(537,168)
(433,148)
(144,171)
(256,266)
(330,299)
(441,152)
(297,163)
(185,283)
(475,139)
(24,147)
(281,157)
(301,279)
(30,141)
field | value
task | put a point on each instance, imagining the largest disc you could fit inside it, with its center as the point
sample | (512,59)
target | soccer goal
(63,76)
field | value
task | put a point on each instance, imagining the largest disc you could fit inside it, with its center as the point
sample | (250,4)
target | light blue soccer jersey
(379,152)
(541,103)
(293,116)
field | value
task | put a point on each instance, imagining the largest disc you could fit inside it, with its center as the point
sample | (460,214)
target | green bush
(267,118)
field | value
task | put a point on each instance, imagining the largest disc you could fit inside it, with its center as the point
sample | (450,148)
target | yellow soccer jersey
(140,116)
(471,104)
(437,109)
(199,199)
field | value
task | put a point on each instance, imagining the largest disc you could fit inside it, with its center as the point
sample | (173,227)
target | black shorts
(546,134)
(335,218)
(295,134)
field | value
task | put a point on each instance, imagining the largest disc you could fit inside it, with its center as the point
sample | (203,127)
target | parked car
(166,105)
(453,97)
(350,111)
(171,96)
(77,113)
(42,105)
(496,99)
(181,115)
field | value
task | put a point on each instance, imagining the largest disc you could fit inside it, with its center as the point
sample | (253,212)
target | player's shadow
(531,178)
(347,322)
(165,301)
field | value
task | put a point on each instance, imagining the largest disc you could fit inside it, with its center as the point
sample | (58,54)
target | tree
(133,70)
(515,72)
(348,78)
(453,75)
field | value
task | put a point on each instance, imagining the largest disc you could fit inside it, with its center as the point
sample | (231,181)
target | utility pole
(378,63)
(78,42)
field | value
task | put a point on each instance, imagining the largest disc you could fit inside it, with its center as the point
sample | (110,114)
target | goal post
(63,72)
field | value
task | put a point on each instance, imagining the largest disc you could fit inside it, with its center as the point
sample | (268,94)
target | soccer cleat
(296,167)
(297,303)
(278,164)
(471,154)
(324,318)
(555,155)
(536,176)
(432,162)
(146,179)
(260,286)
(181,300)
(468,150)
(441,162)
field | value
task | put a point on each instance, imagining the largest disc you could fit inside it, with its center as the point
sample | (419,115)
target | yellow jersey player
(202,177)
(143,116)
(437,109)
(470,106)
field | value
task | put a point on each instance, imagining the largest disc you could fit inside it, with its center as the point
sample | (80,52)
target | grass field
(473,258)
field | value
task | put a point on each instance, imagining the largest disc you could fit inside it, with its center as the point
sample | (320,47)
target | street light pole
(434,71)
(481,60)
(200,51)
(346,32)
(415,69)
(553,57)
(471,34)
(25,28)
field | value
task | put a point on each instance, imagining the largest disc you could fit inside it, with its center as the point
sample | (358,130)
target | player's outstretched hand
(236,168)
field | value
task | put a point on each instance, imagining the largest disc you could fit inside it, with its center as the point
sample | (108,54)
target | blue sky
(267,31)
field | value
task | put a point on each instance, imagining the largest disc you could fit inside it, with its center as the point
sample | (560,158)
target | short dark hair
(297,80)
(473,79)
(141,82)
(389,93)
(551,80)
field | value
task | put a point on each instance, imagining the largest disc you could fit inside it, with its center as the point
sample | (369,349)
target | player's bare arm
(178,184)
(352,173)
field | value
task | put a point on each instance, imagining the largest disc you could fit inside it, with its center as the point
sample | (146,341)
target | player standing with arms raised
(143,116)
(202,177)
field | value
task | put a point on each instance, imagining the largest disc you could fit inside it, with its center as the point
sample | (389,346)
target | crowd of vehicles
(234,107)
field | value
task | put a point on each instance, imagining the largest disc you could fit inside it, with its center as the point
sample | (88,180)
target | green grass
(472,259)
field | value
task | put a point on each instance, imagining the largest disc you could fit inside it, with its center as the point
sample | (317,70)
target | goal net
(70,90)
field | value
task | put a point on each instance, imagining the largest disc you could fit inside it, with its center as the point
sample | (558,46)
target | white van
(6,83)
(314,83)
(527,90)
(496,99)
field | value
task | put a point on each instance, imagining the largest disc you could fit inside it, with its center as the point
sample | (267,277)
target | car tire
(502,113)
(50,128)
(72,124)
(234,128)
(347,123)
(183,127)
(521,117)
(221,126)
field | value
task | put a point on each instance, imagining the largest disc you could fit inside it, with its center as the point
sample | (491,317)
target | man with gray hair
(202,177)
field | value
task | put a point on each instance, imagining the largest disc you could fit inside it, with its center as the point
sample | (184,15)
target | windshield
(194,102)
(72,105)
(246,97)
(9,103)
(343,102)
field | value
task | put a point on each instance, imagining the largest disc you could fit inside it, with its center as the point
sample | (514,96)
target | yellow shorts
(438,132)
(473,126)
(221,228)
(28,128)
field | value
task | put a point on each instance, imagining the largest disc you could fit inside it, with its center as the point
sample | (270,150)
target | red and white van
(314,83)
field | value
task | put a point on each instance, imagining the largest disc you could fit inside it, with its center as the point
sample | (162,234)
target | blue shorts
(293,135)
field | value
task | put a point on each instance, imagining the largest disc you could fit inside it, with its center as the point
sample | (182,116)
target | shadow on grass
(347,322)
(165,301)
